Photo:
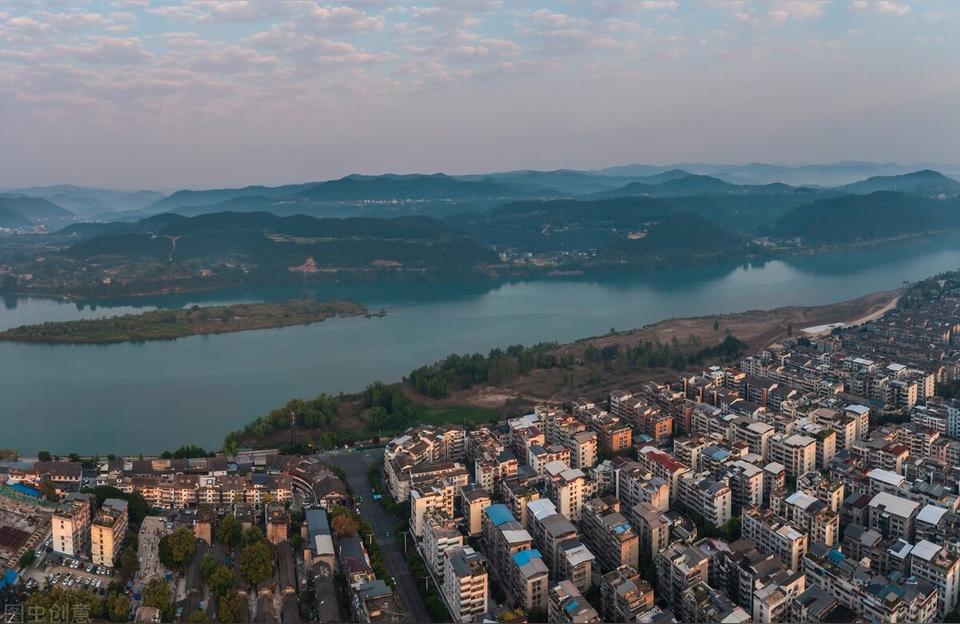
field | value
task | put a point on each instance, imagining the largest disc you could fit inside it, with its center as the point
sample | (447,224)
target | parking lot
(67,572)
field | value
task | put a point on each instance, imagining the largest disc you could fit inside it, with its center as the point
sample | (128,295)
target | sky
(136,94)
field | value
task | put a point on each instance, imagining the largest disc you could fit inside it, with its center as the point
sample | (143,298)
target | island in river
(172,324)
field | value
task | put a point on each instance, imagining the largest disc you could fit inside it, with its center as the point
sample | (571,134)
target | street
(356,465)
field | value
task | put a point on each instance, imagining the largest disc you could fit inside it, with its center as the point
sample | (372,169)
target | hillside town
(813,481)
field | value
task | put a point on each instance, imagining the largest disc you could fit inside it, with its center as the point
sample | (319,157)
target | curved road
(357,464)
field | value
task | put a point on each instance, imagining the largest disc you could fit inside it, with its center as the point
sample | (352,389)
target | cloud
(103,49)
(882,7)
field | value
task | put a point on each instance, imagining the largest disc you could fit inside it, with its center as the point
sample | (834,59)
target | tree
(208,565)
(232,608)
(177,548)
(27,558)
(199,617)
(61,605)
(343,526)
(229,531)
(48,490)
(255,563)
(117,607)
(129,563)
(253,535)
(44,456)
(157,593)
(222,581)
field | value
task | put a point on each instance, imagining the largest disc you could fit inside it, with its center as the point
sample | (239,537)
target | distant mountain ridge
(862,218)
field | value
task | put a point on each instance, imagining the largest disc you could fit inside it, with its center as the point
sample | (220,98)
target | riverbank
(579,369)
(180,323)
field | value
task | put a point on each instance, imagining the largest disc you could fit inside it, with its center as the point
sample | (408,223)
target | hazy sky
(200,94)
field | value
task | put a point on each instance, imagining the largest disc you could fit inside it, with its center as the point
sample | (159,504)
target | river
(132,398)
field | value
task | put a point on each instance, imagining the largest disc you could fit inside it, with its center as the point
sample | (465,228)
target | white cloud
(882,7)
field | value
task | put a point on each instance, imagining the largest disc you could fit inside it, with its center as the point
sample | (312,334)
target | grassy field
(457,415)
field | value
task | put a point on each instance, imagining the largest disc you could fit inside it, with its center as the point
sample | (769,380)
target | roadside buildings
(465,584)
(708,497)
(775,535)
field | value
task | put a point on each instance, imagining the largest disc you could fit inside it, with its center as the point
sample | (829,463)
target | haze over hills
(418,226)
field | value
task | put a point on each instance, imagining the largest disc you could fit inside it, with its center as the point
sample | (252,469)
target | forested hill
(859,218)
(299,243)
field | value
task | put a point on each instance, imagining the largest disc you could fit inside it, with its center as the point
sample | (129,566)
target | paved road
(356,465)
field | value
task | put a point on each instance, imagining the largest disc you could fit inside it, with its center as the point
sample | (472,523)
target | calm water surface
(130,398)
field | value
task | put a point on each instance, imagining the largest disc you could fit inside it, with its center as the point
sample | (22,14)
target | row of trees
(456,372)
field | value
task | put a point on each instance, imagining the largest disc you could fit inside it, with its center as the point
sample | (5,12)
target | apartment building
(549,529)
(775,535)
(529,580)
(933,563)
(431,500)
(679,567)
(653,528)
(874,597)
(811,515)
(609,534)
(755,434)
(466,585)
(440,535)
(575,562)
(746,485)
(708,497)
(893,516)
(797,453)
(70,524)
(475,500)
(107,531)
(566,605)
(625,595)
(568,488)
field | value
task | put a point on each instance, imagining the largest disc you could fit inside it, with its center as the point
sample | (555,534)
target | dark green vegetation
(172,324)
(387,409)
(863,218)
(923,292)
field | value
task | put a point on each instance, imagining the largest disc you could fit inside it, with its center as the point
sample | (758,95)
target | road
(357,465)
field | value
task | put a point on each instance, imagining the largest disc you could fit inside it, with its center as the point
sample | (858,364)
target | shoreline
(173,324)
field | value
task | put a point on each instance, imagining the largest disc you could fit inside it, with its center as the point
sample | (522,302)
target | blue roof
(317,522)
(498,514)
(717,453)
(523,557)
(836,556)
(10,578)
(622,527)
(25,489)
(573,604)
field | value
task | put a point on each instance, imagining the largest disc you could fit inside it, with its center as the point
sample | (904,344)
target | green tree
(222,581)
(157,593)
(229,531)
(27,558)
(208,565)
(199,617)
(253,535)
(44,456)
(129,562)
(59,605)
(178,548)
(232,608)
(255,563)
(48,490)
(117,607)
